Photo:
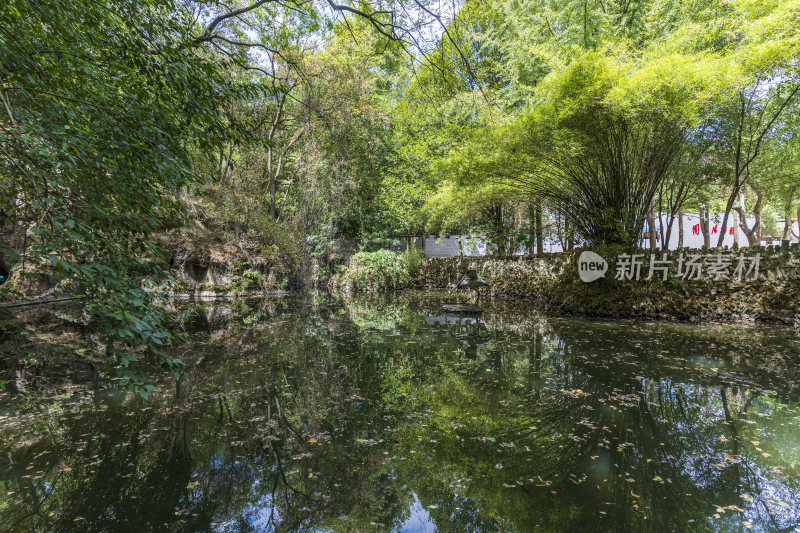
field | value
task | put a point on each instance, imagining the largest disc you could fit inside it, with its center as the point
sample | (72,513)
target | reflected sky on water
(386,414)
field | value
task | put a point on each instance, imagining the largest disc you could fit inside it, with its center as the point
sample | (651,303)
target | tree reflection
(375,414)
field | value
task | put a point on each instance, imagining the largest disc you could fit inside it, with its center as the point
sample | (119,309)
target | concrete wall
(448,246)
(693,234)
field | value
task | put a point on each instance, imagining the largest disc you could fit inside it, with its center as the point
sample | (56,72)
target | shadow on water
(385,414)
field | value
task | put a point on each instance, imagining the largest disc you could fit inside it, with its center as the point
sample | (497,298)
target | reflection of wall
(451,319)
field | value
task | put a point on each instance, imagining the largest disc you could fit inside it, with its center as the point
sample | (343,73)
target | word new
(591,266)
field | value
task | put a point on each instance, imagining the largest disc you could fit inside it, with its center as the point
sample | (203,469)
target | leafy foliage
(383,270)
(104,107)
(316,129)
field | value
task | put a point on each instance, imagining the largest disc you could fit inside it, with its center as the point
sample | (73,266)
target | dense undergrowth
(380,271)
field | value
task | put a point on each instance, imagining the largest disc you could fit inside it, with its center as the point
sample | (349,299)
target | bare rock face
(28,377)
(467,309)
(31,285)
(18,384)
(203,269)
(211,273)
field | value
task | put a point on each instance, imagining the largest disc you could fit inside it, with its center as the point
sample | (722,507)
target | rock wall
(553,281)
(229,261)
(204,274)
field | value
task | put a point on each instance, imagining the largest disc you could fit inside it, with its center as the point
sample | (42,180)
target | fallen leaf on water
(575,393)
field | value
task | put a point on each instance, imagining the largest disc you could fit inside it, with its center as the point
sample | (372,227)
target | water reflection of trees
(331,419)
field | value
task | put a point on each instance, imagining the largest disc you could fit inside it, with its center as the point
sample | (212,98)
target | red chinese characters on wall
(714,229)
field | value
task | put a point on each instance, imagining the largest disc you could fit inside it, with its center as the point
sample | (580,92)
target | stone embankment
(700,285)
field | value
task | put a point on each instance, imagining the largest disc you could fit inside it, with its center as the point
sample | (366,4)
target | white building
(448,246)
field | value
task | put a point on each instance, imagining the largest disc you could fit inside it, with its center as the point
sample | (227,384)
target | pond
(384,414)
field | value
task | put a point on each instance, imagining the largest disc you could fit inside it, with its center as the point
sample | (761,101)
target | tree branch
(235,13)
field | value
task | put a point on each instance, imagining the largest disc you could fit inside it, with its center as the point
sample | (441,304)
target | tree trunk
(728,207)
(753,233)
(651,224)
(225,164)
(704,222)
(540,230)
(532,237)
(272,210)
(748,149)
(736,231)
(666,237)
(787,218)
(680,228)
(561,228)
(798,224)
(271,183)
(570,234)
(498,229)
(759,227)
(737,166)
(509,236)
(787,230)
(220,175)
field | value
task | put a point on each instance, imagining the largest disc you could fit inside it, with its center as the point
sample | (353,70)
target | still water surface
(388,415)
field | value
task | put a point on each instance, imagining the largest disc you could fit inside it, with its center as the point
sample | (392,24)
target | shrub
(382,270)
